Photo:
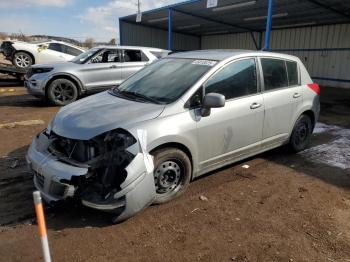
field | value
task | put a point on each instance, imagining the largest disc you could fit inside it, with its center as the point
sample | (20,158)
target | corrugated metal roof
(235,16)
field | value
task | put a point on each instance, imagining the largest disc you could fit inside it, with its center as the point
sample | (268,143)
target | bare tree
(89,42)
(112,41)
(3,36)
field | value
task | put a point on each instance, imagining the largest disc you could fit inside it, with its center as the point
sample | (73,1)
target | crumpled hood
(100,113)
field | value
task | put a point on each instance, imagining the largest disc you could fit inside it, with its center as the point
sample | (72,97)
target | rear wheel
(172,174)
(301,134)
(22,60)
(62,92)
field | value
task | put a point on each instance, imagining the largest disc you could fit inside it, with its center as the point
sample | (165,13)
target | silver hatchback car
(176,119)
(93,71)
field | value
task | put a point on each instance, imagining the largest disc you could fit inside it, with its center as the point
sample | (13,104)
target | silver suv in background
(96,70)
(193,112)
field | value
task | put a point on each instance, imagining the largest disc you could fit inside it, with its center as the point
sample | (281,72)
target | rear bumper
(52,177)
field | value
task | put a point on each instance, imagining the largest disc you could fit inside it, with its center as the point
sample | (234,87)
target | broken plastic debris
(203,198)
(245,166)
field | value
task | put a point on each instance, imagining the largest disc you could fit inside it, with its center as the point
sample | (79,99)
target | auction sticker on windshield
(204,62)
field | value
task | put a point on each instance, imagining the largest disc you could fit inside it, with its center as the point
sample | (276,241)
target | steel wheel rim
(168,177)
(63,92)
(22,60)
(302,132)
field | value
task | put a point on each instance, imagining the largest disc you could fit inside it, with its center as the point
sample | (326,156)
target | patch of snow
(336,152)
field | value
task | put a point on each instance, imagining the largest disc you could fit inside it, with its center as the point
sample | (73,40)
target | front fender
(59,74)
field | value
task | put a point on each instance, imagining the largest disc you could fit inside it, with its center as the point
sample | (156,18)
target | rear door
(234,130)
(53,52)
(280,99)
(102,71)
(133,61)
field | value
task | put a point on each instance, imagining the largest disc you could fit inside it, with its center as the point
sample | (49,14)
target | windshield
(83,57)
(165,80)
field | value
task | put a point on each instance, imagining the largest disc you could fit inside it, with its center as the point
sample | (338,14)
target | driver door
(102,71)
(235,130)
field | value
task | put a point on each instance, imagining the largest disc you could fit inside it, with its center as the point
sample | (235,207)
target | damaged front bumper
(53,178)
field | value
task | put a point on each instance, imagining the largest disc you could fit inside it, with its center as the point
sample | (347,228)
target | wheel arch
(310,114)
(69,77)
(176,145)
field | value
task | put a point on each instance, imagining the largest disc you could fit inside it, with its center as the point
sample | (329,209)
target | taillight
(315,88)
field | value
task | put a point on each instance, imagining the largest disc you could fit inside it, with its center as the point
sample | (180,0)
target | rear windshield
(167,79)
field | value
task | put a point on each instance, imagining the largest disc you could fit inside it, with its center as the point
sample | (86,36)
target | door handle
(296,95)
(113,66)
(255,106)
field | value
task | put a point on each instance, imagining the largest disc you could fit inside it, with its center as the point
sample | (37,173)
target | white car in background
(25,54)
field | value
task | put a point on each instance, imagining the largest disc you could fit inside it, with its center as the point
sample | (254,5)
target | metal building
(317,31)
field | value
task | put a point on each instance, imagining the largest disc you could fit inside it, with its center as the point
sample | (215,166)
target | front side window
(234,80)
(275,74)
(56,47)
(84,57)
(292,69)
(165,80)
(107,56)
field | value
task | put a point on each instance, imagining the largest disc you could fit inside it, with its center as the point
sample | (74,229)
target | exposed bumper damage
(102,171)
(7,49)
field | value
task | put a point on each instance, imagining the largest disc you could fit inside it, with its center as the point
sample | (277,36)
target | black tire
(172,174)
(62,91)
(22,59)
(301,134)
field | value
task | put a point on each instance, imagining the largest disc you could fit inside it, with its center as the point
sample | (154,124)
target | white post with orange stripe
(41,225)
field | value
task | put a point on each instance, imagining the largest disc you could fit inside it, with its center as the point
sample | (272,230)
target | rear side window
(292,69)
(275,74)
(71,50)
(134,56)
(234,80)
(56,47)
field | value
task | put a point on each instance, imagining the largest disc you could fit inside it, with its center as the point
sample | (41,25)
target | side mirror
(212,100)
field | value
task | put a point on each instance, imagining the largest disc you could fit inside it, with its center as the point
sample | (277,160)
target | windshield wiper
(136,95)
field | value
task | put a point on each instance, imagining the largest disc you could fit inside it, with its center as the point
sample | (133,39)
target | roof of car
(222,54)
(130,47)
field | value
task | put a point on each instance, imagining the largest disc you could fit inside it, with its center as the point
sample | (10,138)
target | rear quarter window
(275,73)
(292,69)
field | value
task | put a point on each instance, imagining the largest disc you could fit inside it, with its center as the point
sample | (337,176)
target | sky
(78,19)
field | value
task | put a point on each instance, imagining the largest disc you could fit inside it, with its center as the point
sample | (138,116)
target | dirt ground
(284,207)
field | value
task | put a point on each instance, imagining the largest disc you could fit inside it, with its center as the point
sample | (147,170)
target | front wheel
(172,174)
(301,134)
(62,92)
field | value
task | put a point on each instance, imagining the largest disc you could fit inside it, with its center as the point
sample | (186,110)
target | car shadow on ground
(22,101)
(11,82)
(16,207)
